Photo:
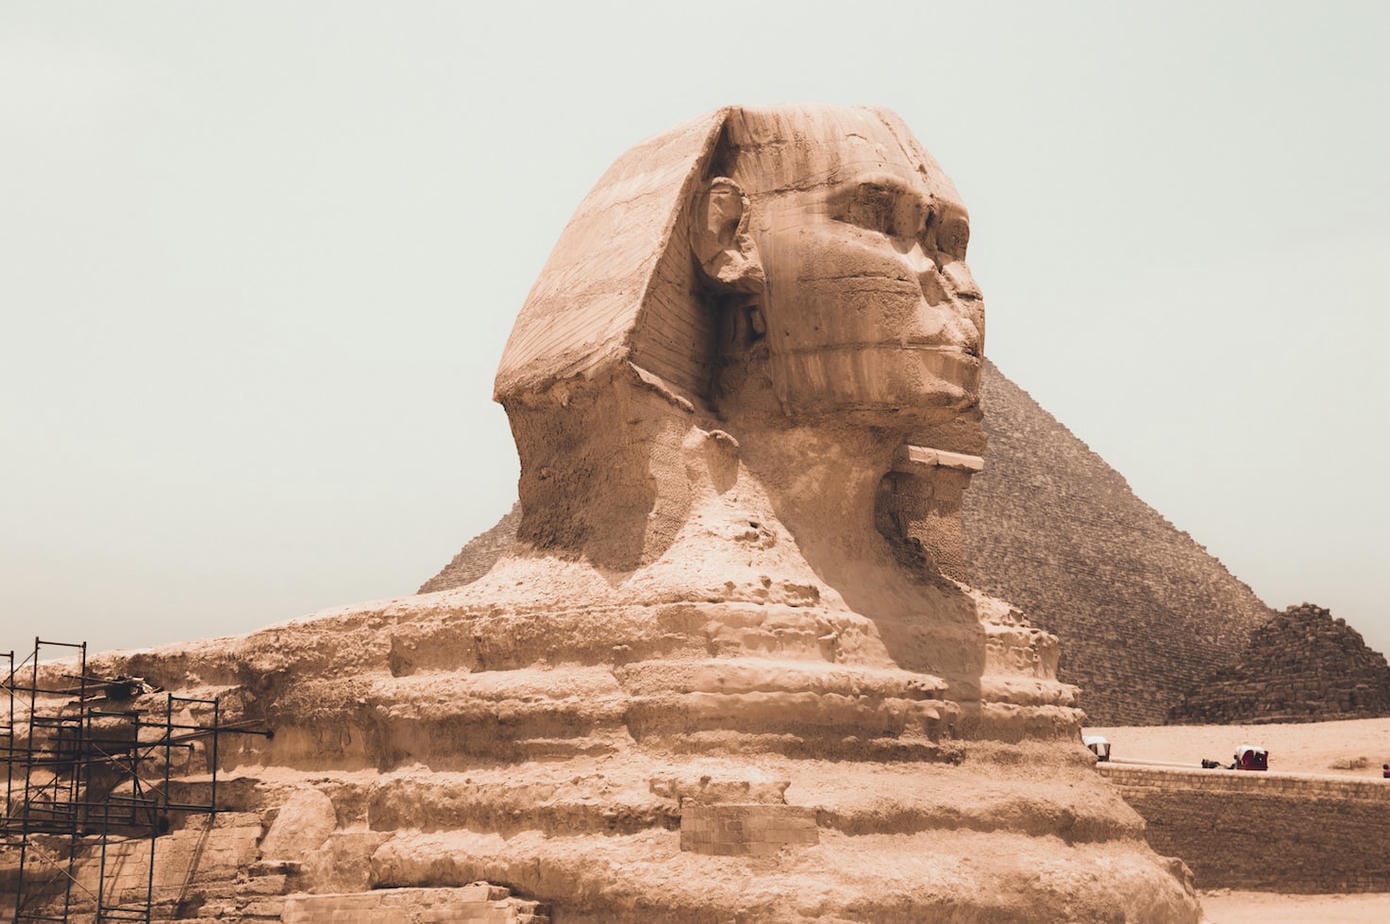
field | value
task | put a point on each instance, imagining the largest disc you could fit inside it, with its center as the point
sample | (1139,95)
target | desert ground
(1226,907)
(1356,747)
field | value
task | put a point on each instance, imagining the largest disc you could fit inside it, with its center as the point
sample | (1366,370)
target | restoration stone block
(746,829)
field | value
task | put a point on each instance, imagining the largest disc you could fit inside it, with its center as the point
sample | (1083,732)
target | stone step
(569,799)
(458,719)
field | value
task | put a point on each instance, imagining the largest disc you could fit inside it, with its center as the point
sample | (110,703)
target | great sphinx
(729,671)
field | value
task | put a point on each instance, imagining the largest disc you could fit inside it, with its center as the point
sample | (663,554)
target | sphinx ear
(720,240)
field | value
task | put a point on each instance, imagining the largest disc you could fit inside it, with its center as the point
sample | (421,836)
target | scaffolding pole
(66,757)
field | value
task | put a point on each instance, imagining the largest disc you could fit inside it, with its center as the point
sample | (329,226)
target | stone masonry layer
(756,829)
(1264,831)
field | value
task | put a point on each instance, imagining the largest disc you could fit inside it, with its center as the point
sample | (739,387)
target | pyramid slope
(1144,613)
(1050,527)
(478,556)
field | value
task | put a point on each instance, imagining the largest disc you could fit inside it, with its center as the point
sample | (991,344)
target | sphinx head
(839,244)
(795,267)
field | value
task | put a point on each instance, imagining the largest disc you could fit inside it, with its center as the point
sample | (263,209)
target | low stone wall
(1265,831)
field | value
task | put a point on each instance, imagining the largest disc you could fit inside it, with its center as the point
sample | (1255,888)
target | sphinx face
(870,308)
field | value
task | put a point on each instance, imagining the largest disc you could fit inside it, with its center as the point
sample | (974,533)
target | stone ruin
(1300,666)
(725,674)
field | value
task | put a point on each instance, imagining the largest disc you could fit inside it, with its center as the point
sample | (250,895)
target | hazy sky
(258,262)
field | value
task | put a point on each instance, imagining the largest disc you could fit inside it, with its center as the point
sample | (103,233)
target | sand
(1356,747)
(1226,907)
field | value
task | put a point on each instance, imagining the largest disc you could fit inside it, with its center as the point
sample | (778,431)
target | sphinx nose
(919,260)
(961,280)
(928,276)
(926,271)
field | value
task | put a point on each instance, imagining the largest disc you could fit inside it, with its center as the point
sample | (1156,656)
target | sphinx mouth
(968,352)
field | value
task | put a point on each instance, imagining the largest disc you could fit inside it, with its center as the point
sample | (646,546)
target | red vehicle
(1251,757)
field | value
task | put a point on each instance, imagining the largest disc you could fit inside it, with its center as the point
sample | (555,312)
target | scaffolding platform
(88,762)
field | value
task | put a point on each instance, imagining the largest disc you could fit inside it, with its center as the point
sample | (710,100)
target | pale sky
(258,262)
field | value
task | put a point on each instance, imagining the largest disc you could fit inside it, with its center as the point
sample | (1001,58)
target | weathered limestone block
(343,862)
(303,824)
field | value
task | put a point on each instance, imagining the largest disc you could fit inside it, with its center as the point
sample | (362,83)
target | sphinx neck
(823,483)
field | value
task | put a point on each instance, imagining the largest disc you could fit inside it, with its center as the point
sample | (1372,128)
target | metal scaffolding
(84,776)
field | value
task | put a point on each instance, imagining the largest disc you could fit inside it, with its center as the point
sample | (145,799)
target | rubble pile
(1300,666)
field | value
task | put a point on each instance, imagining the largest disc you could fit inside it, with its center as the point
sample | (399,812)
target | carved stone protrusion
(719,237)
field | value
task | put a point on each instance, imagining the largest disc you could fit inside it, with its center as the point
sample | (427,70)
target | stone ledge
(478,903)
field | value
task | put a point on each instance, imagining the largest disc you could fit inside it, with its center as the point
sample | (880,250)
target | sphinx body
(728,673)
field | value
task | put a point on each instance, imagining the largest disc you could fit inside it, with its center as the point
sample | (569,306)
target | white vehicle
(1099,746)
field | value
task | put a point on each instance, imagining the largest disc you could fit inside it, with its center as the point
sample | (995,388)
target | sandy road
(1225,907)
(1356,747)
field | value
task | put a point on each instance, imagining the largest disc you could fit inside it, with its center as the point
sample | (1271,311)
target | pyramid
(1052,528)
(1143,611)
(1301,666)
(478,555)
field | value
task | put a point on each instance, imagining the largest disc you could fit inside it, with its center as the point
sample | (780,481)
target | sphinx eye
(931,224)
(884,206)
(872,206)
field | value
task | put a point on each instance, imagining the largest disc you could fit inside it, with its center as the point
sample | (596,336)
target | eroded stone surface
(1050,527)
(479,903)
(301,827)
